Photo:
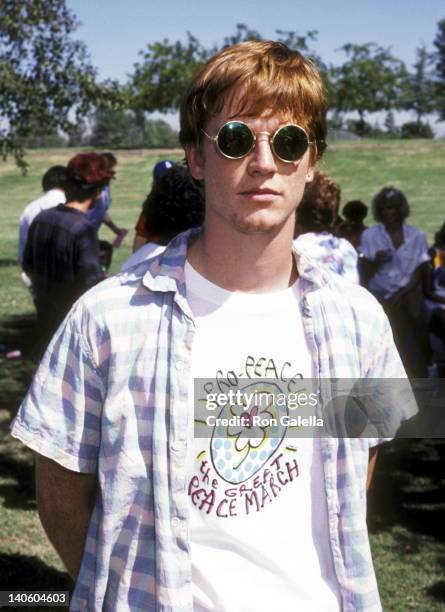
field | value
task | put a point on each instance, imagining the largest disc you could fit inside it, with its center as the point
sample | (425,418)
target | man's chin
(258,224)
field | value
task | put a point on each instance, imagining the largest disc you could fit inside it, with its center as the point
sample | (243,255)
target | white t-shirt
(146,251)
(397,271)
(49,199)
(259,534)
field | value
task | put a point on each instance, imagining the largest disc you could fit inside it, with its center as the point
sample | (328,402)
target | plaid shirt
(336,254)
(111,397)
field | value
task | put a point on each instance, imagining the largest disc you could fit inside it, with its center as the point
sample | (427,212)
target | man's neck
(394,227)
(80,206)
(253,263)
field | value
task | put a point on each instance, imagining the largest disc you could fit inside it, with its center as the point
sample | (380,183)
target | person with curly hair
(174,204)
(394,257)
(315,220)
(142,232)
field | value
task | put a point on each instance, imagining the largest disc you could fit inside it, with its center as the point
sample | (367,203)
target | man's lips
(260,193)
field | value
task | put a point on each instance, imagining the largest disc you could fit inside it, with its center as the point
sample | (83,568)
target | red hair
(89,170)
(266,76)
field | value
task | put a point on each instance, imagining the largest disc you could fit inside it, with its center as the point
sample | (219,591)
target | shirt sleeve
(389,396)
(422,248)
(27,255)
(60,416)
(23,232)
(366,246)
(350,261)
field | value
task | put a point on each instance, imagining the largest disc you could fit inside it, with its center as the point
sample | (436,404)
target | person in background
(53,185)
(354,213)
(105,255)
(394,256)
(174,204)
(315,221)
(142,233)
(61,255)
(98,213)
(434,297)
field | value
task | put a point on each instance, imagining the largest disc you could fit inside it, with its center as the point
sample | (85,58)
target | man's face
(258,193)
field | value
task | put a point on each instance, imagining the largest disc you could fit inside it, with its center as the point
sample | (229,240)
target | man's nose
(262,159)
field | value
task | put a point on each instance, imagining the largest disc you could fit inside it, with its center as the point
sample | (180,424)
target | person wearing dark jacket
(62,250)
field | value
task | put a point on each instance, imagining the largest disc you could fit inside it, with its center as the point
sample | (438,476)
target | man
(174,204)
(98,213)
(167,521)
(53,185)
(61,255)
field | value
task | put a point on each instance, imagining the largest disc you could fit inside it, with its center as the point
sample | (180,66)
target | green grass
(407,503)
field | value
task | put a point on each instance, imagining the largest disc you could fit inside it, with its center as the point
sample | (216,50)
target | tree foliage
(46,77)
(419,96)
(120,128)
(370,80)
(165,70)
(439,59)
(416,129)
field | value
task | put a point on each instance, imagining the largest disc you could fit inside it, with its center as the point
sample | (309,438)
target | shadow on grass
(408,488)
(437,590)
(8,263)
(24,573)
(17,333)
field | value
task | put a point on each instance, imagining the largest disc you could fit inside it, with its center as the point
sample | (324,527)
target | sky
(116,30)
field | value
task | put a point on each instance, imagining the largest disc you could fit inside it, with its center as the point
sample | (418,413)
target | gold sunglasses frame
(214,139)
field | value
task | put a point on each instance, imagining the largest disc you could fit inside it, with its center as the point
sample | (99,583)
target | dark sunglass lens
(290,143)
(235,139)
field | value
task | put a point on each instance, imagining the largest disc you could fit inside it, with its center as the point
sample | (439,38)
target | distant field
(407,504)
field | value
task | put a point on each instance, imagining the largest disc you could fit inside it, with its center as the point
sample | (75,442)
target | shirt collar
(166,271)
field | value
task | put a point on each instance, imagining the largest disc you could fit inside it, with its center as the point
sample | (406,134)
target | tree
(420,86)
(416,129)
(46,76)
(370,80)
(161,78)
(113,128)
(390,125)
(439,58)
(38,136)
(159,133)
(121,129)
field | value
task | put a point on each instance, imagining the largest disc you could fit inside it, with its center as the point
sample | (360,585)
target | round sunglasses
(235,140)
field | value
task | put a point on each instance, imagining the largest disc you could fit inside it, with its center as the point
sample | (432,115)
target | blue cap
(161,168)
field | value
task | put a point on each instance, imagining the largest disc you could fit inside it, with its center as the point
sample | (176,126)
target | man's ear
(310,174)
(195,161)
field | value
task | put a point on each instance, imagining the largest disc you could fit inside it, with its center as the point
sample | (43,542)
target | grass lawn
(407,501)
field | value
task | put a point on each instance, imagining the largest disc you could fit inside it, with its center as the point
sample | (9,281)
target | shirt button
(178,445)
(176,526)
(180,365)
